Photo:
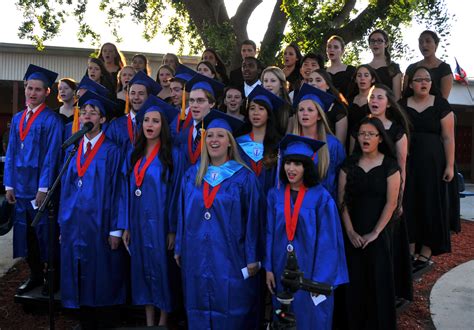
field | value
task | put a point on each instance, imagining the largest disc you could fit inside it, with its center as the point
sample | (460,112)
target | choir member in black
(248,48)
(211,55)
(337,113)
(123,103)
(163,77)
(441,74)
(369,185)
(172,60)
(97,72)
(426,199)
(388,71)
(292,60)
(232,103)
(140,63)
(113,60)
(207,69)
(341,73)
(274,80)
(66,94)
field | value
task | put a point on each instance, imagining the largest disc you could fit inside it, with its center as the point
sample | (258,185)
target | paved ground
(467,205)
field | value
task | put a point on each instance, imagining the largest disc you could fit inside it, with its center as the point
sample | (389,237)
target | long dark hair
(220,66)
(354,89)
(146,69)
(386,147)
(409,91)
(105,77)
(272,137)
(334,91)
(165,154)
(310,175)
(119,59)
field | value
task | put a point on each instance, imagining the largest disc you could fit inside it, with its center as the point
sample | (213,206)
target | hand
(177,258)
(114,242)
(368,238)
(40,197)
(355,239)
(399,210)
(171,239)
(270,282)
(252,269)
(448,174)
(10,196)
(126,237)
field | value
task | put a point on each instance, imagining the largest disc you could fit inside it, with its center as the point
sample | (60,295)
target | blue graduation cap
(308,92)
(90,85)
(141,78)
(35,72)
(105,105)
(219,119)
(293,144)
(154,103)
(184,73)
(259,93)
(202,82)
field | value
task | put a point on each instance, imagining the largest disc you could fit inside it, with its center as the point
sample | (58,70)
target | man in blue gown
(31,165)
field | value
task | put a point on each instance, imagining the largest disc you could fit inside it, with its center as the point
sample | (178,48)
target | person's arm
(405,82)
(397,86)
(341,130)
(269,237)
(447,136)
(393,190)
(351,144)
(354,237)
(446,84)
(402,151)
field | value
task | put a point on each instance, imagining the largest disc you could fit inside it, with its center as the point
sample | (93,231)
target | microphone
(78,135)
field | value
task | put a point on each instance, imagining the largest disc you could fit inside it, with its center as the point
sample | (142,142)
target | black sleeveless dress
(370,294)
(342,80)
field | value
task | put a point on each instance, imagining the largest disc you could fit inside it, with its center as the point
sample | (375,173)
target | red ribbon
(81,169)
(186,123)
(256,166)
(24,133)
(130,128)
(140,175)
(193,156)
(291,220)
(209,198)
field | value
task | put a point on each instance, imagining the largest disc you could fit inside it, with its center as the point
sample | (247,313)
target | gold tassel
(203,132)
(127,103)
(75,122)
(182,115)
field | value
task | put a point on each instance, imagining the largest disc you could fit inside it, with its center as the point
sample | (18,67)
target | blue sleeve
(251,199)
(270,231)
(123,221)
(329,258)
(115,163)
(9,170)
(174,191)
(52,159)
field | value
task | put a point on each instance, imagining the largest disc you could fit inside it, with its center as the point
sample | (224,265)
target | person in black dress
(292,63)
(388,71)
(66,94)
(123,102)
(172,60)
(211,55)
(140,63)
(97,72)
(337,113)
(430,167)
(341,73)
(163,77)
(369,185)
(441,74)
(113,60)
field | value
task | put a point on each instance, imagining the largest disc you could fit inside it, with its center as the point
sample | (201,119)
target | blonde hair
(281,77)
(232,153)
(323,129)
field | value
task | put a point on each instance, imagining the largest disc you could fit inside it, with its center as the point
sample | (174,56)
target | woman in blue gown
(311,104)
(315,237)
(150,177)
(217,241)
(259,147)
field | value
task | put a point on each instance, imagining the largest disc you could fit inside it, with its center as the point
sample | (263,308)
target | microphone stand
(51,226)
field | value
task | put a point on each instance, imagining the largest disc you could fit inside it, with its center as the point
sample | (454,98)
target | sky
(460,45)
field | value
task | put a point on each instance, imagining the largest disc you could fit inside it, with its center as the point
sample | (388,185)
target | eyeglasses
(376,41)
(199,100)
(368,134)
(90,113)
(419,80)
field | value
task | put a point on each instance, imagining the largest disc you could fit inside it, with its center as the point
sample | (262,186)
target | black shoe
(45,289)
(28,285)
(419,264)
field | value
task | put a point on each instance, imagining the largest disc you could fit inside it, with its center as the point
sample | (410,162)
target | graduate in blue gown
(92,267)
(259,147)
(31,166)
(311,229)
(217,241)
(202,99)
(147,209)
(179,98)
(124,130)
(86,84)
(311,104)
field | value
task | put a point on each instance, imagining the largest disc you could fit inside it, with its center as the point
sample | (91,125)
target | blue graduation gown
(91,273)
(319,248)
(181,141)
(337,155)
(150,217)
(117,132)
(35,166)
(267,176)
(213,252)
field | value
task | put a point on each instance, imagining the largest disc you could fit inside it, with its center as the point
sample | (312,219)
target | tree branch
(241,18)
(274,34)
(340,18)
